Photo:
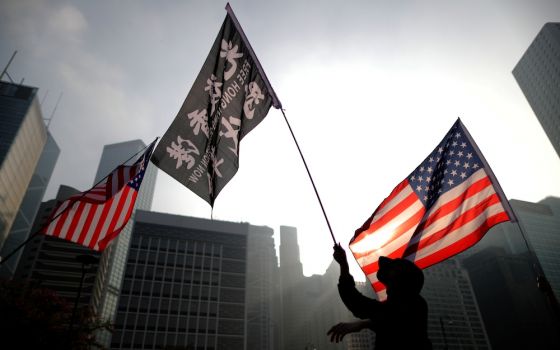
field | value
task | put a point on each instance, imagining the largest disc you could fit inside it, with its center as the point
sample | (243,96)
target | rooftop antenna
(5,71)
(44,98)
(54,110)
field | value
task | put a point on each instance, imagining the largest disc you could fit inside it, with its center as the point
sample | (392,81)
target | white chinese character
(254,97)
(177,151)
(230,132)
(231,54)
(199,121)
(216,163)
(214,91)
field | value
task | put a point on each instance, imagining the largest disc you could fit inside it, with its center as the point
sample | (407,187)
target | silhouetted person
(400,322)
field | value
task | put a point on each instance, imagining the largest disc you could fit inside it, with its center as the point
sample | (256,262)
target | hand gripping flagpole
(276,103)
(36,233)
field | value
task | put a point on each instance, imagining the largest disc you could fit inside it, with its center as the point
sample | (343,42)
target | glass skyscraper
(541,223)
(21,229)
(503,271)
(113,260)
(538,76)
(52,261)
(22,138)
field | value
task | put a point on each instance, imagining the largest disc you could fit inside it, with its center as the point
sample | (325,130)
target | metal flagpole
(278,105)
(36,233)
(310,178)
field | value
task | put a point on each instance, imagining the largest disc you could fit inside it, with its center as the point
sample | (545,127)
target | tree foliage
(33,317)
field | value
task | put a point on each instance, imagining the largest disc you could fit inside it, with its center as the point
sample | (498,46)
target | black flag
(230,96)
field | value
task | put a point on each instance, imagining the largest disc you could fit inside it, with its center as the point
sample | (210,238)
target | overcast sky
(369,87)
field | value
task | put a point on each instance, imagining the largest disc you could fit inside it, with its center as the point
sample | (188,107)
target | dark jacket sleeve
(361,306)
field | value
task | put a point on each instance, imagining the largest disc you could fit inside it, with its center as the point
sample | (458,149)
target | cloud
(39,28)
(67,24)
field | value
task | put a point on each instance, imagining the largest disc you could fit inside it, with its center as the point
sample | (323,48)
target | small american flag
(95,217)
(443,207)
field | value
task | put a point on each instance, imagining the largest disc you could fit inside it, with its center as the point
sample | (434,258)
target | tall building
(197,284)
(111,268)
(541,223)
(454,319)
(22,138)
(52,262)
(291,284)
(22,227)
(516,313)
(263,292)
(538,76)
(46,257)
(311,305)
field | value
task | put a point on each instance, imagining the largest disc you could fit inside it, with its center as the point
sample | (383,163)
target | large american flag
(443,207)
(95,217)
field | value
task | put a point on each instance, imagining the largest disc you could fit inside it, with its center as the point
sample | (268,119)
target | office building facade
(291,282)
(503,268)
(541,224)
(197,284)
(22,138)
(454,319)
(113,260)
(22,226)
(538,76)
(51,262)
(41,254)
(515,312)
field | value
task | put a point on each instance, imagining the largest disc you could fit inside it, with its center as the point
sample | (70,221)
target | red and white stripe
(111,185)
(402,228)
(97,216)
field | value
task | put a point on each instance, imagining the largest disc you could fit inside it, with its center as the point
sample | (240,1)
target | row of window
(195,278)
(162,311)
(135,346)
(203,293)
(180,310)
(161,264)
(169,329)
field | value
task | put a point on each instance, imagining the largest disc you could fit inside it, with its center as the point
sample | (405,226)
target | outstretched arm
(338,331)
(360,305)
(339,256)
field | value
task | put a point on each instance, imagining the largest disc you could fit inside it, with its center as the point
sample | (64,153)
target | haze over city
(369,87)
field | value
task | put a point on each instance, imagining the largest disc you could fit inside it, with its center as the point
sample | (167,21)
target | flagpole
(36,233)
(310,178)
(278,105)
(490,173)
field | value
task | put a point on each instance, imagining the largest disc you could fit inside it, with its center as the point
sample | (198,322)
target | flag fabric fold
(230,96)
(95,217)
(443,207)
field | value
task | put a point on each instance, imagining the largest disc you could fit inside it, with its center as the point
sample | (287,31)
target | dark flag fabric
(443,207)
(230,96)
(95,217)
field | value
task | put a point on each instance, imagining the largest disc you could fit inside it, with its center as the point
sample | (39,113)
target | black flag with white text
(230,96)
